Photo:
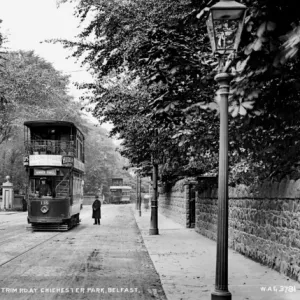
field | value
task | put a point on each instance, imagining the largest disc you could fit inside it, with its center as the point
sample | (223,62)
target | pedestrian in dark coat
(97,211)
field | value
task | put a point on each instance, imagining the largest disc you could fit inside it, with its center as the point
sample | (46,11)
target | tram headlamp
(44,209)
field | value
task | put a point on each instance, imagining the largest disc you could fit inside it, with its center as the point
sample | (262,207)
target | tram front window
(49,186)
(44,189)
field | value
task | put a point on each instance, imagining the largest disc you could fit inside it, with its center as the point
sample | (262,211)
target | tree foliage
(4,105)
(102,162)
(155,81)
(34,90)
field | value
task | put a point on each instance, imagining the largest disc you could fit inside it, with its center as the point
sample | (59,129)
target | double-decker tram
(54,161)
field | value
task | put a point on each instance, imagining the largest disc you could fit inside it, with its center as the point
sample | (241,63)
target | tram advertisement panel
(45,160)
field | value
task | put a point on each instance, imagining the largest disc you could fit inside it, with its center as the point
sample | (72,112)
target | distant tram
(119,193)
(54,161)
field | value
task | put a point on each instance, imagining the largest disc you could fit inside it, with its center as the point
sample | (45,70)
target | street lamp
(154,199)
(225,24)
(137,192)
(154,209)
(140,197)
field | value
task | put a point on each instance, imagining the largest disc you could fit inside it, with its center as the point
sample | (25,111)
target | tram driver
(43,188)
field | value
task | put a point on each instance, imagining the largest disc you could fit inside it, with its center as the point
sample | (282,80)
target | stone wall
(174,203)
(264,224)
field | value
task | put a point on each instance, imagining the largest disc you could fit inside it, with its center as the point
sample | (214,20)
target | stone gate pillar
(7,194)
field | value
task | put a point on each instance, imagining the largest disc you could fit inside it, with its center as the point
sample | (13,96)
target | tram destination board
(67,161)
(45,172)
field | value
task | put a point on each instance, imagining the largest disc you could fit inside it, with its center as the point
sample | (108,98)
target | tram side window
(31,187)
(77,184)
(79,149)
(81,152)
(64,139)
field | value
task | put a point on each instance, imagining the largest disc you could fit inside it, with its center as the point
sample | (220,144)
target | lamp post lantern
(224,26)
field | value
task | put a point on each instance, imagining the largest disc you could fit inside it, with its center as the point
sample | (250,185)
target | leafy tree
(35,90)
(157,54)
(32,85)
(32,89)
(265,91)
(5,125)
(136,21)
(101,161)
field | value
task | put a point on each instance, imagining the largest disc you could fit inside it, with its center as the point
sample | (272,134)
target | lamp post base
(221,295)
(153,231)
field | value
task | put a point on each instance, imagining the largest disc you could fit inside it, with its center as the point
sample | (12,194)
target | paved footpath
(186,261)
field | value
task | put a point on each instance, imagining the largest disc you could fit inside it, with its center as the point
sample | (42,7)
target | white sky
(27,23)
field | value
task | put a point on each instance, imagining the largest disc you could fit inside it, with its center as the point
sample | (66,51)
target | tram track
(27,250)
(2,242)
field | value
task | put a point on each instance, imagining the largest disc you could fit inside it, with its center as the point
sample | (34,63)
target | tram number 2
(44,202)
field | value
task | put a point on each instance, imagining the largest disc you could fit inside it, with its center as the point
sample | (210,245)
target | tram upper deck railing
(55,147)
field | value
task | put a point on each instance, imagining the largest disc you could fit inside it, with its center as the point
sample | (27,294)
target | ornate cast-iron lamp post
(225,25)
(137,192)
(154,209)
(154,199)
(140,197)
